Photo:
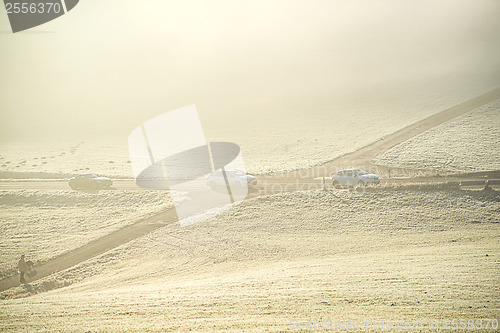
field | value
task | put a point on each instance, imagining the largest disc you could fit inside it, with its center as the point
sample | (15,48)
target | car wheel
(336,184)
(361,184)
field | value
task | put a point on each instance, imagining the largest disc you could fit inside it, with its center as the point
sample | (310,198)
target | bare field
(468,143)
(384,255)
(44,224)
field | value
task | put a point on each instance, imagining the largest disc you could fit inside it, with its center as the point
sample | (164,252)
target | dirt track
(363,157)
(359,158)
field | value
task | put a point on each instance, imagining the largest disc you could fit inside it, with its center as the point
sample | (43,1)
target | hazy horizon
(105,67)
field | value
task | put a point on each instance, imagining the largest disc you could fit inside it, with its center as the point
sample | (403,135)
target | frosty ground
(46,223)
(390,254)
(468,143)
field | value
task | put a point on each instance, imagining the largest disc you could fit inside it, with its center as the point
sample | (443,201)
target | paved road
(270,184)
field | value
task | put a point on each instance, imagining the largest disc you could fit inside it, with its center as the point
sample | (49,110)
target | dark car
(90,181)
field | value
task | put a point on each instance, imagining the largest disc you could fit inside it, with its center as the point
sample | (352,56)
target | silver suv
(354,177)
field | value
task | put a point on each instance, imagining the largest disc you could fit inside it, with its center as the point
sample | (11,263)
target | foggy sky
(107,66)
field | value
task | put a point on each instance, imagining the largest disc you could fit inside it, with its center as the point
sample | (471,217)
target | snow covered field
(388,254)
(44,224)
(468,143)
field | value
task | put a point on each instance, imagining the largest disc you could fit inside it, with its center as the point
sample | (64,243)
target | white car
(354,177)
(234,177)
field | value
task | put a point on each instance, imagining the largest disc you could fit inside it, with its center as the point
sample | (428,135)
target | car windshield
(361,172)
